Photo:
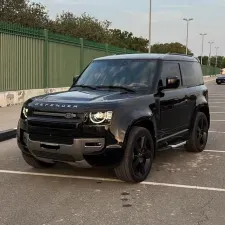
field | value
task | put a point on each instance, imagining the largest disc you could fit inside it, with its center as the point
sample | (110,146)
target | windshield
(119,72)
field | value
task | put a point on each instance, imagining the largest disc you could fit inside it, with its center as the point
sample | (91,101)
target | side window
(170,69)
(192,73)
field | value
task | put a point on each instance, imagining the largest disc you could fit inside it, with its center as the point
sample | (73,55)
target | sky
(167,19)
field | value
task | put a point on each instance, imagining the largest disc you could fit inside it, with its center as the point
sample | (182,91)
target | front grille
(53,156)
(66,140)
(72,117)
(58,130)
(53,123)
(55,127)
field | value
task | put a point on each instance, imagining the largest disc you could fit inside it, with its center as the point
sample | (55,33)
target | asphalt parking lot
(183,188)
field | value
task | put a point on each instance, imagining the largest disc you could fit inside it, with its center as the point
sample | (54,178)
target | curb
(7,134)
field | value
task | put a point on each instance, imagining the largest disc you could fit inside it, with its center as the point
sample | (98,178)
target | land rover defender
(117,113)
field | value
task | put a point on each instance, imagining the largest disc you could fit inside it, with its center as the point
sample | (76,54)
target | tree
(125,39)
(223,63)
(174,47)
(220,61)
(85,26)
(23,12)
(204,60)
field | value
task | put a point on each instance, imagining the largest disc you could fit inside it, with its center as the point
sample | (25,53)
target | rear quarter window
(191,73)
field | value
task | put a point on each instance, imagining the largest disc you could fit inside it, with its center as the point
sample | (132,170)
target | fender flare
(200,108)
(144,121)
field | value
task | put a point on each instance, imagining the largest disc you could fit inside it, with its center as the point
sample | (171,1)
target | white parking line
(217,97)
(218,132)
(217,112)
(217,151)
(216,102)
(112,180)
(216,94)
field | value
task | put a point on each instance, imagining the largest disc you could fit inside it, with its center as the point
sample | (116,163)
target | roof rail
(169,53)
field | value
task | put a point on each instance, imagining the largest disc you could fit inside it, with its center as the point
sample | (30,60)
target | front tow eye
(49,146)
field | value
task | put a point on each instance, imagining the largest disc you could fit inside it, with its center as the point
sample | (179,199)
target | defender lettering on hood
(56,105)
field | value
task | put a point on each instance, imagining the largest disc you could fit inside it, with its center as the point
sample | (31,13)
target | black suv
(117,113)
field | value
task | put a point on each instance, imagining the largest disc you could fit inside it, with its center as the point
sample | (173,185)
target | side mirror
(172,82)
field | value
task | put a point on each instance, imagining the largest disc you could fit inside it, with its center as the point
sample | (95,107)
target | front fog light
(100,117)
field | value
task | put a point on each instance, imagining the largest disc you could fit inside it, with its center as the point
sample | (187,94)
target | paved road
(183,188)
(9,117)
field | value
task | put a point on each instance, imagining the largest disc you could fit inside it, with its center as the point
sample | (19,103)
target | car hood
(223,77)
(80,99)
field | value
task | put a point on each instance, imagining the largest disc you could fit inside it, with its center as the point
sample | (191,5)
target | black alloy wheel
(141,156)
(202,132)
(199,134)
(138,156)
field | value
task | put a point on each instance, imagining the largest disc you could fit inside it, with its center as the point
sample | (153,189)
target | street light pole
(203,35)
(187,20)
(150,24)
(210,50)
(216,55)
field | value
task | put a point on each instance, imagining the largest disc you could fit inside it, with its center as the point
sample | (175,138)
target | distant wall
(10,98)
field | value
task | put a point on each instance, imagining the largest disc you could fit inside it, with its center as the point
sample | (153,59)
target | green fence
(210,70)
(32,58)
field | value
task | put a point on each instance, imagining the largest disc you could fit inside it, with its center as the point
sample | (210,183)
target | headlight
(100,117)
(25,112)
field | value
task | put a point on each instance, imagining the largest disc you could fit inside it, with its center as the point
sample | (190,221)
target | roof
(168,56)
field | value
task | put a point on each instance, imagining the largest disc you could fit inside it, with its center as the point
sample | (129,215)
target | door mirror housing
(172,82)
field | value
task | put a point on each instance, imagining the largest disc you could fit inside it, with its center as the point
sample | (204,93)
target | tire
(218,83)
(32,161)
(137,161)
(198,136)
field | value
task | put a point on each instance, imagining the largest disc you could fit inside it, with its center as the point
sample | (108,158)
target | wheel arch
(147,122)
(204,108)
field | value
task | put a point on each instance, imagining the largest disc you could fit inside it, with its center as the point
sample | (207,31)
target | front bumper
(97,151)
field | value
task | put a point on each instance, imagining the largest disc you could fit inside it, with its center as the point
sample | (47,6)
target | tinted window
(119,72)
(192,73)
(170,69)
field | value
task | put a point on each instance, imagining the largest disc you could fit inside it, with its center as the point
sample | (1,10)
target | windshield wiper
(117,87)
(84,86)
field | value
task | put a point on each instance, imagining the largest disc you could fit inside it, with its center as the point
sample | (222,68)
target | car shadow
(175,160)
